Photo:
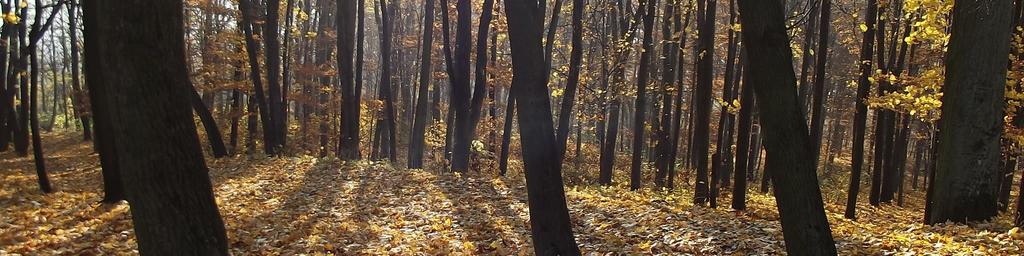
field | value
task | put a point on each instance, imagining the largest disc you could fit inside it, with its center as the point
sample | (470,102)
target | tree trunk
(212,131)
(702,102)
(804,226)
(549,217)
(346,25)
(967,167)
(419,126)
(136,52)
(818,111)
(249,25)
(81,101)
(643,74)
(861,115)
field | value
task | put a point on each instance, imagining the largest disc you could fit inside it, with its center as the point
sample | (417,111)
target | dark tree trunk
(807,59)
(273,63)
(37,141)
(248,24)
(818,111)
(136,52)
(643,74)
(480,72)
(212,131)
(346,24)
(506,135)
(419,126)
(702,103)
(80,101)
(575,58)
(861,116)
(967,167)
(739,190)
(804,226)
(726,119)
(461,88)
(385,82)
(549,217)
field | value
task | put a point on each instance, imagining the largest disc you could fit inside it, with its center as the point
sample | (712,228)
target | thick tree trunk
(549,217)
(804,226)
(967,167)
(346,25)
(136,51)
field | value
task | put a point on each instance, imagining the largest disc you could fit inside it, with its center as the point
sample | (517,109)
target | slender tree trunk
(252,48)
(572,83)
(818,111)
(419,126)
(643,75)
(702,102)
(37,141)
(861,115)
(84,118)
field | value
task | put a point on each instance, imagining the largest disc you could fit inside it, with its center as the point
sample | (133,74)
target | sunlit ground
(305,205)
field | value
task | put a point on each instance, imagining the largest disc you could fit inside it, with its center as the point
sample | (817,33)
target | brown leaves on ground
(305,205)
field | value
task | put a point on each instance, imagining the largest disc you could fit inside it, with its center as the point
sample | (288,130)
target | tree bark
(861,115)
(967,167)
(135,50)
(549,217)
(804,226)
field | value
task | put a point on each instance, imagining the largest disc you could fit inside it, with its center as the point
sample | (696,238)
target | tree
(967,168)
(549,217)
(642,75)
(84,118)
(861,116)
(702,102)
(804,226)
(575,58)
(135,50)
(460,103)
(419,126)
(346,18)
(743,141)
(248,26)
(818,106)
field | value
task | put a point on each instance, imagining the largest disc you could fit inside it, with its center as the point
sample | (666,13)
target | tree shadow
(478,207)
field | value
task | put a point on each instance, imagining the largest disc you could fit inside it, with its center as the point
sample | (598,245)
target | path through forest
(296,205)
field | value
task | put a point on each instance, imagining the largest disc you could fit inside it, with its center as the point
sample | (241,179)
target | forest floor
(305,205)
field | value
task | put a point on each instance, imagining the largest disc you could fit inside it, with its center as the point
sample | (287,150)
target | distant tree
(549,217)
(968,163)
(136,54)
